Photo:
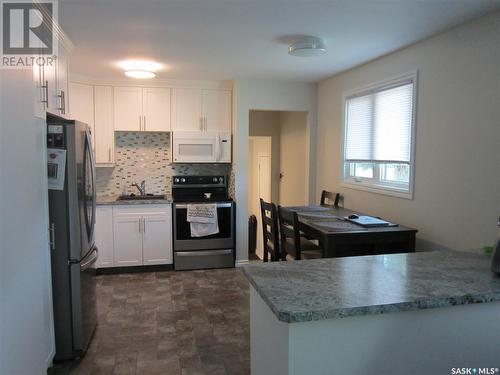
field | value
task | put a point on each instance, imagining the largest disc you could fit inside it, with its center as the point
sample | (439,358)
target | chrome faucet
(141,188)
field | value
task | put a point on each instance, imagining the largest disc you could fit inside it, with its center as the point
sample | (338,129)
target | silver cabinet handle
(206,124)
(109,154)
(140,228)
(144,225)
(45,98)
(140,122)
(62,106)
(201,123)
(52,236)
(144,123)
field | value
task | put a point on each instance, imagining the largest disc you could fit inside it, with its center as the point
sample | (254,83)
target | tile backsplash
(146,156)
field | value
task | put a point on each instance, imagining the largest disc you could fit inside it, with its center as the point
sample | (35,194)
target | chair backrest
(289,229)
(328,197)
(270,230)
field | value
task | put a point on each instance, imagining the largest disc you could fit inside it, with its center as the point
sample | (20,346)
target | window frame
(375,184)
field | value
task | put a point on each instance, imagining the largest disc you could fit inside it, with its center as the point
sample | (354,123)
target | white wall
(26,332)
(267,123)
(264,95)
(457,174)
(293,135)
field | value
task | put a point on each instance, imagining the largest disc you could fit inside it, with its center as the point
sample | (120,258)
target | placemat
(338,225)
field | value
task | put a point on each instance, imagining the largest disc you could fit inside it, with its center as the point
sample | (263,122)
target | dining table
(340,237)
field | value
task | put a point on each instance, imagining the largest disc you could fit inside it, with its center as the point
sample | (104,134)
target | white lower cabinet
(104,236)
(142,235)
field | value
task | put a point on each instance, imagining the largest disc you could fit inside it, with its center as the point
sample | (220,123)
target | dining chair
(292,243)
(329,198)
(270,231)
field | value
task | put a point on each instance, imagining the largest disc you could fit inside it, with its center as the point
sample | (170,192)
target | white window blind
(379,125)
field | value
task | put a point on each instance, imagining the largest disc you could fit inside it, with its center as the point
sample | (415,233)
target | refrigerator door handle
(92,162)
(92,260)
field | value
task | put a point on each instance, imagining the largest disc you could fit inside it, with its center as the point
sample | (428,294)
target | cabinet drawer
(143,209)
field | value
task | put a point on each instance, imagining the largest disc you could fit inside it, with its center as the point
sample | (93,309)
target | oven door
(222,240)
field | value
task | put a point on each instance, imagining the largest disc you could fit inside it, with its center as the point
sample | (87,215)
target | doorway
(277,162)
(260,159)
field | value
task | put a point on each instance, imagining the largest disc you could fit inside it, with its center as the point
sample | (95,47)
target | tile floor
(170,323)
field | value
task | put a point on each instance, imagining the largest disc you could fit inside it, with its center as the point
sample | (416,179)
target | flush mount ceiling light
(307,46)
(141,69)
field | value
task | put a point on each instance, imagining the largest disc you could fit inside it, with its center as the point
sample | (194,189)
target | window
(379,137)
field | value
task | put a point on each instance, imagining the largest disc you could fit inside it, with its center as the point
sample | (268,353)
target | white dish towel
(203,219)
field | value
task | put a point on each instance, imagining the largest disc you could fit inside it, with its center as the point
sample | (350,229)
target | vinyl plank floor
(178,323)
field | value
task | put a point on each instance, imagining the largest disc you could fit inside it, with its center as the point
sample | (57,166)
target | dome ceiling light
(307,46)
(141,69)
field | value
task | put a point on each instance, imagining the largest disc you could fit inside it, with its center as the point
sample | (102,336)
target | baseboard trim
(135,269)
(242,262)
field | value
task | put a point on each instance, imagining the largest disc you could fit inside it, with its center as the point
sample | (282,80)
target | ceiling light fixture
(141,69)
(307,46)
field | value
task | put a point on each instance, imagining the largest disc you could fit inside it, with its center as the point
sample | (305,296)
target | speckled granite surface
(112,200)
(300,291)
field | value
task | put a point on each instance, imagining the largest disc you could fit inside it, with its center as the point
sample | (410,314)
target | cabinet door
(128,108)
(82,105)
(127,235)
(103,127)
(156,109)
(157,239)
(217,110)
(104,236)
(62,82)
(186,110)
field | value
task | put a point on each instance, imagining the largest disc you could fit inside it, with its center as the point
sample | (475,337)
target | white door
(127,235)
(217,110)
(264,192)
(104,236)
(104,134)
(186,110)
(156,109)
(157,239)
(128,108)
(82,105)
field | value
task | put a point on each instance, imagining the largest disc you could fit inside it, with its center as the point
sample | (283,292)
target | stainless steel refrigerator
(71,177)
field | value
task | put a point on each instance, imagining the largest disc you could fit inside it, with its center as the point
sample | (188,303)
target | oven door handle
(219,205)
(203,253)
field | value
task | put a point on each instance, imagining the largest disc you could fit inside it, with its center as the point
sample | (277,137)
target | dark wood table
(339,238)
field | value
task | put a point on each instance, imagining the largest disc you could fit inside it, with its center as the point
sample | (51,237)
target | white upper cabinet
(138,109)
(156,109)
(201,110)
(104,134)
(82,104)
(128,108)
(217,110)
(186,110)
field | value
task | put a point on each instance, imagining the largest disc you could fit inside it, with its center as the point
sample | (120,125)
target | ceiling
(228,39)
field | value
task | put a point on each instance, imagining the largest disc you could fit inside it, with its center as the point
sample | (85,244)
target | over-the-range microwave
(200,147)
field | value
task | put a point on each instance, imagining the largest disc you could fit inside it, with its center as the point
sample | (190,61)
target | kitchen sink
(140,197)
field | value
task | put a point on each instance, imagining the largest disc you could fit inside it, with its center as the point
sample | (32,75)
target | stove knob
(215,179)
(183,180)
(221,179)
(176,180)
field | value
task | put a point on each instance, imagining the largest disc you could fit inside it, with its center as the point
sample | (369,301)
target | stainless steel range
(194,251)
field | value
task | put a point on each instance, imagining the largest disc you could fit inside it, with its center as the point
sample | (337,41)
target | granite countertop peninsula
(113,200)
(319,289)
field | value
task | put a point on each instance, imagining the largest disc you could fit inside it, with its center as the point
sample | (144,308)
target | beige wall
(457,175)
(293,159)
(267,123)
